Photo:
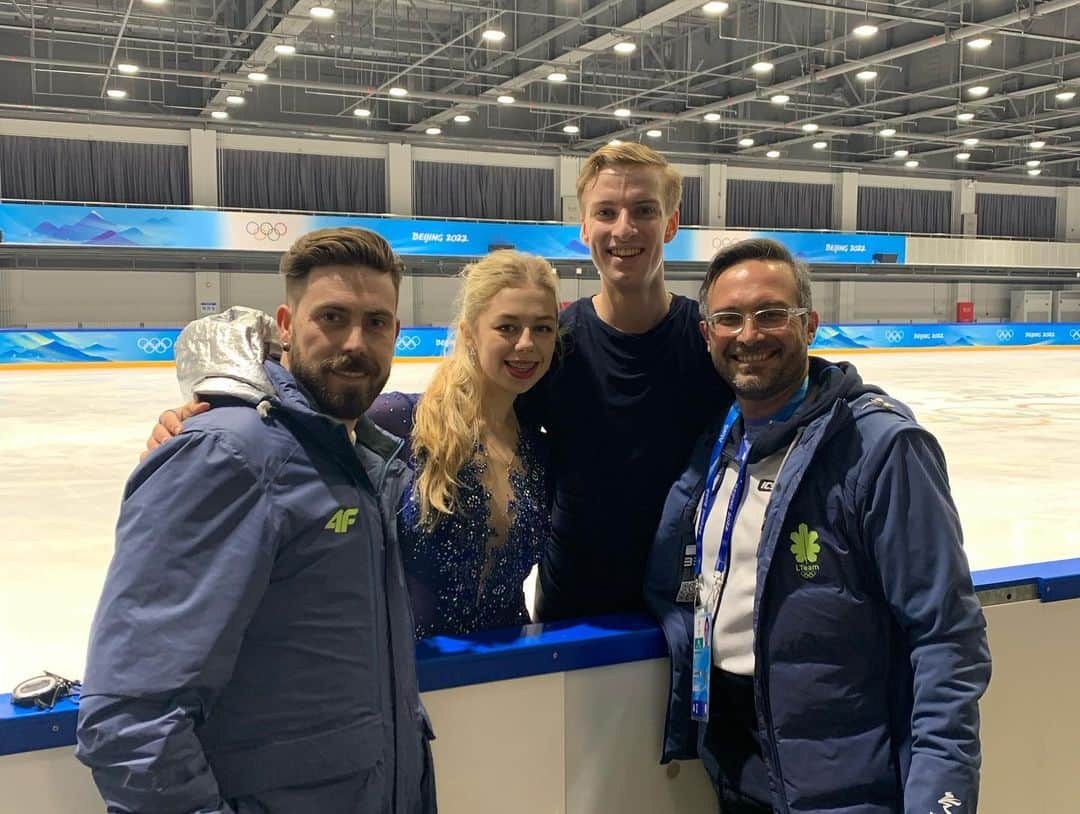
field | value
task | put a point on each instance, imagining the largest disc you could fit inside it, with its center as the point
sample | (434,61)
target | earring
(285,347)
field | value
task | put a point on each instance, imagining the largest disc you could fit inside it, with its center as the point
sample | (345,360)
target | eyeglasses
(730,323)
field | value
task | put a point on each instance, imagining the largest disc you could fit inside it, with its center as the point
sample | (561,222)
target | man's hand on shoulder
(171,422)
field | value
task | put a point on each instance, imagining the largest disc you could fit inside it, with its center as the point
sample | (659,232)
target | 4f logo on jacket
(342,519)
(805,548)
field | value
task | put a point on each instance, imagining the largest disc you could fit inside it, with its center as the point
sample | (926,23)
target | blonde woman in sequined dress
(473,525)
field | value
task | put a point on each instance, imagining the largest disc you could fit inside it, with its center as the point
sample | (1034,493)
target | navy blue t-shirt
(622,412)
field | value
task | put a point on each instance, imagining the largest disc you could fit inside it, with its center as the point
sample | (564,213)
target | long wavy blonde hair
(447,422)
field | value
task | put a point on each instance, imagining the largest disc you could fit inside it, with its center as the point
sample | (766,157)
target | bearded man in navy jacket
(828,649)
(253,648)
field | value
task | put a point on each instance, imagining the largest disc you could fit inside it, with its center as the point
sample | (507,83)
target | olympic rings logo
(1075,334)
(154,344)
(894,336)
(265,230)
(407,342)
(1004,334)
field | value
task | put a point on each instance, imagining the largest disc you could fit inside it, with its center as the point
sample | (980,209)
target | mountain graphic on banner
(111,238)
(55,351)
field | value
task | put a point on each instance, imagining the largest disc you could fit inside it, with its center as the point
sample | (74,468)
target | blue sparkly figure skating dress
(466,574)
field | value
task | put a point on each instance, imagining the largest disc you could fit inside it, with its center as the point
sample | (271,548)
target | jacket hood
(830,382)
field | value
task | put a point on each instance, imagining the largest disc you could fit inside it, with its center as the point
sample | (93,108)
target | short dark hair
(339,246)
(758,248)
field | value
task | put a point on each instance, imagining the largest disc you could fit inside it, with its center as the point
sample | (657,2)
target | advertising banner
(950,335)
(87,346)
(209,230)
(139,345)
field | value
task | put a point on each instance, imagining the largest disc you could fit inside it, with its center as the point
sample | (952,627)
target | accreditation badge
(702,665)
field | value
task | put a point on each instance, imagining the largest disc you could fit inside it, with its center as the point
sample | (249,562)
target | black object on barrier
(885,257)
(43,691)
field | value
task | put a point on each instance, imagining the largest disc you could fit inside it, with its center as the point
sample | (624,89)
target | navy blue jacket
(872,655)
(254,633)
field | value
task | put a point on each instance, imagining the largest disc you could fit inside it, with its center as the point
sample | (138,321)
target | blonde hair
(446,426)
(632,154)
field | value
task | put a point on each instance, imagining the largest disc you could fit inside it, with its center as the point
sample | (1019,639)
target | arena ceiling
(767,82)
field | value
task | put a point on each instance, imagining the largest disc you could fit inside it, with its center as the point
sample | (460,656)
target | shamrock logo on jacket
(805,548)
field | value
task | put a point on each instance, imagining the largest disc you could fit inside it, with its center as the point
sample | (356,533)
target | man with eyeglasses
(828,650)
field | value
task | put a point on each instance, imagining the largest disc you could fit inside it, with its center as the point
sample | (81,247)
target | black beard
(346,401)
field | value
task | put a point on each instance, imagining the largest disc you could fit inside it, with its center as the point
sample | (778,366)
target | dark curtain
(778,205)
(257,179)
(49,169)
(1016,215)
(690,208)
(911,211)
(466,191)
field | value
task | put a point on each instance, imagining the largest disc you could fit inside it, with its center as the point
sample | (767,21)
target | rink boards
(88,347)
(568,718)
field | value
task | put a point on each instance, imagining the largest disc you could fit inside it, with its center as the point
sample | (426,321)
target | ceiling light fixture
(761,67)
(285,49)
(493,35)
(219,114)
(257,76)
(963,156)
(1034,172)
(820,145)
(506,100)
(361,112)
(866,76)
(461,118)
(713,117)
(772,154)
(980,43)
(1034,162)
(911,164)
(572,129)
(780,99)
(625,47)
(887,131)
(433,131)
(810,127)
(900,153)
(116,93)
(621,112)
(864,30)
(715,8)
(321,12)
(154,2)
(234,100)
(654,133)
(965,117)
(1036,145)
(746,142)
(128,68)
(978,90)
(398,92)
(615,142)
(1065,95)
(970,142)
(556,76)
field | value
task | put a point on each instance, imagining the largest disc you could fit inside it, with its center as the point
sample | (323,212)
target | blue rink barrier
(144,345)
(444,662)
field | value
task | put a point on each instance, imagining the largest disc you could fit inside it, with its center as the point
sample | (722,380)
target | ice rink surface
(1009,422)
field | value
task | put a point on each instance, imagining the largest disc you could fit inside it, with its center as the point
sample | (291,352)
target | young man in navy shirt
(630,393)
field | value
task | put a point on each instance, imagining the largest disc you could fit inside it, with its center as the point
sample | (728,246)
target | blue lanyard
(715,477)
(713,480)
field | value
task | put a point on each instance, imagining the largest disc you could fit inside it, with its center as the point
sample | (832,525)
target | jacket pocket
(309,759)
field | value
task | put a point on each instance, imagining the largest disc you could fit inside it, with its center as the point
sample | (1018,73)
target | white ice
(1009,422)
